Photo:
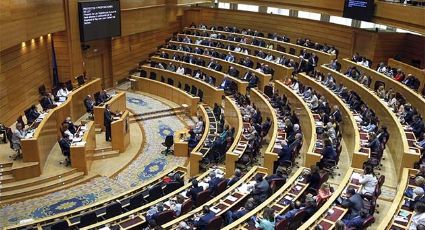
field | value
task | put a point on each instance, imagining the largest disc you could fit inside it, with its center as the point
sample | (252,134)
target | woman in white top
(368,181)
(419,216)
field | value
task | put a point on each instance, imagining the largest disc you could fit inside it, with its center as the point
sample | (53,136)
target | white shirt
(417,219)
(62,92)
(369,183)
(180,70)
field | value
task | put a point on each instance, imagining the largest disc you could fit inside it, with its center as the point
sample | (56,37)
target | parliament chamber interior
(212,114)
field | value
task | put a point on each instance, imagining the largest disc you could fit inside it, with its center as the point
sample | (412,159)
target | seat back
(155,192)
(137,201)
(87,219)
(171,187)
(297,220)
(113,209)
(368,222)
(215,223)
(202,198)
(381,180)
(186,206)
(169,141)
(61,225)
(164,217)
(277,183)
(69,85)
(221,186)
(282,225)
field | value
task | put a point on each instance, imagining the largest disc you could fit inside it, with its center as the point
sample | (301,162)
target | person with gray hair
(235,178)
(418,196)
(213,183)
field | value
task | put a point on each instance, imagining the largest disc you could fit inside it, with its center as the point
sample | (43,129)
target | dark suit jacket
(204,220)
(354,204)
(65,146)
(213,183)
(107,116)
(46,102)
(193,193)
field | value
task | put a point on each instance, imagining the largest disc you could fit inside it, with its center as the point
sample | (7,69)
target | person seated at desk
(233,72)
(420,144)
(285,153)
(417,125)
(193,140)
(194,190)
(17,136)
(323,193)
(419,217)
(213,183)
(180,70)
(368,181)
(313,178)
(261,189)
(89,104)
(71,127)
(229,57)
(65,145)
(62,93)
(217,111)
(374,143)
(418,196)
(226,83)
(236,177)
(66,131)
(153,213)
(356,221)
(231,216)
(32,114)
(199,126)
(268,220)
(328,152)
(353,202)
(3,133)
(295,207)
(253,82)
(280,174)
(291,133)
(103,97)
(204,220)
(265,127)
(47,102)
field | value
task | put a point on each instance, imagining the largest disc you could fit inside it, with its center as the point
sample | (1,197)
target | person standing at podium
(107,120)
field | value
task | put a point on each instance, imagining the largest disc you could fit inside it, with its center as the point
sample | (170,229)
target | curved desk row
(323,56)
(293,188)
(211,95)
(73,216)
(398,145)
(263,78)
(419,73)
(262,102)
(135,218)
(233,117)
(248,178)
(308,126)
(399,215)
(219,76)
(351,133)
(280,71)
(37,148)
(410,95)
(321,217)
(210,130)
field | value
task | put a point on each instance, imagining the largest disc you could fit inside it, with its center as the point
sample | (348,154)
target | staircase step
(34,181)
(6,179)
(159,116)
(41,187)
(6,171)
(106,154)
(101,150)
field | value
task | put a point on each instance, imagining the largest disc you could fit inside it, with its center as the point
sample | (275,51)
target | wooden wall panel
(340,36)
(61,44)
(22,70)
(127,51)
(414,49)
(388,45)
(26,19)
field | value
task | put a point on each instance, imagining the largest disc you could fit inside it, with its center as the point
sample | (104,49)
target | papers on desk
(78,144)
(116,118)
(298,188)
(204,185)
(356,176)
(62,99)
(319,124)
(231,198)
(246,187)
(214,209)
(76,139)
(105,228)
(357,118)
(42,115)
(26,221)
(403,213)
(83,128)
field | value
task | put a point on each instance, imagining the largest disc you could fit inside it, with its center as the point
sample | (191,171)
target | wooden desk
(412,97)
(82,153)
(219,76)
(263,78)
(397,144)
(233,117)
(120,132)
(406,68)
(46,135)
(212,95)
(240,223)
(195,155)
(307,126)
(349,125)
(117,103)
(398,201)
(262,102)
(323,56)
(181,146)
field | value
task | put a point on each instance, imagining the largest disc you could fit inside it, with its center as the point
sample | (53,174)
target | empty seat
(87,219)
(61,225)
(112,210)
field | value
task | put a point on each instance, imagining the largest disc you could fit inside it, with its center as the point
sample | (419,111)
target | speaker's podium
(120,132)
(181,145)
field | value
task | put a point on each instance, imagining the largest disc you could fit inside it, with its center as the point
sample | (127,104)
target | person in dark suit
(353,202)
(231,216)
(213,183)
(235,178)
(278,175)
(103,96)
(65,145)
(328,152)
(32,114)
(89,103)
(71,127)
(107,120)
(217,110)
(261,189)
(314,179)
(336,114)
(46,101)
(193,192)
(285,153)
(205,219)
